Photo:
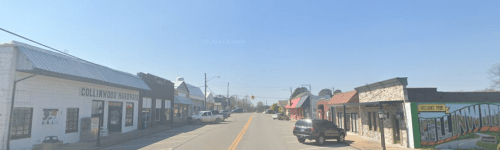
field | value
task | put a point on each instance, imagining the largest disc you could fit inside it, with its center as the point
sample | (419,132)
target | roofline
(66,56)
(370,103)
(383,84)
(37,71)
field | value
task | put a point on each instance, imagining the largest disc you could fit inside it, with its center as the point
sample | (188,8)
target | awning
(293,103)
(301,102)
(182,100)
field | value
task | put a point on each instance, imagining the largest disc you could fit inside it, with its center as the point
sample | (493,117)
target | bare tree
(298,91)
(495,74)
(325,92)
(337,91)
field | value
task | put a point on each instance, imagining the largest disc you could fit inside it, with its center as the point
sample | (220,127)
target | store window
(21,123)
(97,110)
(72,120)
(129,114)
(185,110)
(167,109)
(176,110)
(146,110)
(158,110)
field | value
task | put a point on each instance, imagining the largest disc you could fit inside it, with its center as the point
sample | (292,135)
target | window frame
(131,123)
(68,120)
(29,124)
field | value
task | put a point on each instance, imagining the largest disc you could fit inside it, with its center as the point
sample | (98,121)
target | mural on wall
(459,125)
(50,116)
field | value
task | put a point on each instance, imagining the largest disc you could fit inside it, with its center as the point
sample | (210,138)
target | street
(242,131)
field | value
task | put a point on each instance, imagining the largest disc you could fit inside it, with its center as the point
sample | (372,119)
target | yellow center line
(238,138)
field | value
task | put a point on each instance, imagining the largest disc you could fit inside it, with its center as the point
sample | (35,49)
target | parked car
(318,130)
(280,116)
(269,111)
(223,114)
(227,112)
(239,110)
(207,116)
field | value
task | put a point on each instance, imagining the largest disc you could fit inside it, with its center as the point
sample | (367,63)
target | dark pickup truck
(318,130)
(216,112)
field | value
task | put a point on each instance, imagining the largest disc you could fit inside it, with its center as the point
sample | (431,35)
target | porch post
(345,119)
(382,137)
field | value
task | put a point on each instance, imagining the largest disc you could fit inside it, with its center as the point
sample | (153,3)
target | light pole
(206,88)
(307,85)
(12,108)
(382,115)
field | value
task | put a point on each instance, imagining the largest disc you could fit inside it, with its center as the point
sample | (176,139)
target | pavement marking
(238,138)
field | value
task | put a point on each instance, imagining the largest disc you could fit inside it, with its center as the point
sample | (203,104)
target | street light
(206,88)
(382,115)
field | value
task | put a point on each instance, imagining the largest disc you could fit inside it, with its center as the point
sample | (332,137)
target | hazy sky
(263,47)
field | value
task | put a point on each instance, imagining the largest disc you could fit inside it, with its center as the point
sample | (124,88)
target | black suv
(318,130)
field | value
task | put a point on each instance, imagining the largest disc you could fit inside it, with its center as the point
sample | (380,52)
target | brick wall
(383,94)
(389,124)
(7,69)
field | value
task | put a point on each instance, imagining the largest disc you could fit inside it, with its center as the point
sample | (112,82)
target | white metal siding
(53,93)
(7,69)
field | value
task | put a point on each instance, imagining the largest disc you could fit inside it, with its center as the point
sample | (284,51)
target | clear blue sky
(262,47)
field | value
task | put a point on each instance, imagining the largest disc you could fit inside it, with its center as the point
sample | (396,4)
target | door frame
(120,119)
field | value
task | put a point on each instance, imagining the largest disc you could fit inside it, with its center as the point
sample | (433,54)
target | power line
(63,53)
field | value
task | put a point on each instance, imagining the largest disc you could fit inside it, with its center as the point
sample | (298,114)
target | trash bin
(51,143)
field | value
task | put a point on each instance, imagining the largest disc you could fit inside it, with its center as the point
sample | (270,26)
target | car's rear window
(302,123)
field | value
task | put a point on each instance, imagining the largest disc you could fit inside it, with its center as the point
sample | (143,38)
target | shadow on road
(328,143)
(154,141)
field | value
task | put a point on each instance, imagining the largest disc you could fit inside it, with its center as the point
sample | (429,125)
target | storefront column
(382,138)
(345,120)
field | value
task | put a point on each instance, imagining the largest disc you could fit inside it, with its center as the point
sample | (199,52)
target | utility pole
(206,91)
(228,99)
(12,102)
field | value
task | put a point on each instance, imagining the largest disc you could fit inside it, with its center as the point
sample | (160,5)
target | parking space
(284,129)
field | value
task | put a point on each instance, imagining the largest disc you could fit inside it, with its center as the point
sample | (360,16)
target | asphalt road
(242,131)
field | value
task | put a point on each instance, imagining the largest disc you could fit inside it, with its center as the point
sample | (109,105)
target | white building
(62,96)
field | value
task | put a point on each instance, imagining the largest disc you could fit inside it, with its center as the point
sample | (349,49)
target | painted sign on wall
(459,125)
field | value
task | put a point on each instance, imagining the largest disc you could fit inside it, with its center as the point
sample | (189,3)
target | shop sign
(489,139)
(90,92)
(433,108)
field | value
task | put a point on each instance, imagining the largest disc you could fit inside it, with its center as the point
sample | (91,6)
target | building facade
(62,96)
(155,105)
(182,103)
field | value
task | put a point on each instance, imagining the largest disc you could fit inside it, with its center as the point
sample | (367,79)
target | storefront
(155,105)
(348,119)
(181,109)
(294,112)
(64,96)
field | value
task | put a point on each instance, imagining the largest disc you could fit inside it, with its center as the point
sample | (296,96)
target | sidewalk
(366,143)
(116,138)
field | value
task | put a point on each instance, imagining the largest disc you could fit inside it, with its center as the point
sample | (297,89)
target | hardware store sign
(90,92)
